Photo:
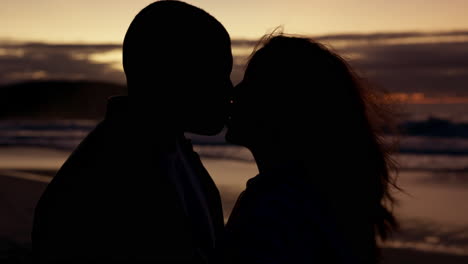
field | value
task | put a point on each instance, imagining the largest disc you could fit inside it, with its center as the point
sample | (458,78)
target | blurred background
(61,60)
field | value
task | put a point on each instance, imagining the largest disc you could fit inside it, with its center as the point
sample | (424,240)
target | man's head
(178,60)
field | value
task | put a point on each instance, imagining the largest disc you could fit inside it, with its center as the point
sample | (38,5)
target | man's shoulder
(91,145)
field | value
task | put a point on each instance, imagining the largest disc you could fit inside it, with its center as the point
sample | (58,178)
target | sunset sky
(97,21)
(417,49)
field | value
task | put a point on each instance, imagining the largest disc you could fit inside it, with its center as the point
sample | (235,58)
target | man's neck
(158,135)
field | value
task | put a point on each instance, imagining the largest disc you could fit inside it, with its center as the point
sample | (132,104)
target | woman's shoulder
(288,182)
(277,192)
(283,194)
(273,220)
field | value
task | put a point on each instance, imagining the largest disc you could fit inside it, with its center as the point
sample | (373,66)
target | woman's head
(294,87)
(302,99)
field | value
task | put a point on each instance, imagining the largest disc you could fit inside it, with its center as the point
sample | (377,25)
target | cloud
(33,61)
(432,63)
(392,36)
(430,68)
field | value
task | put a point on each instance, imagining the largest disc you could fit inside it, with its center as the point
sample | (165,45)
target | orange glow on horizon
(421,98)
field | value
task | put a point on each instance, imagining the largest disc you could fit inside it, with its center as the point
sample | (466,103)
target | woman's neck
(272,158)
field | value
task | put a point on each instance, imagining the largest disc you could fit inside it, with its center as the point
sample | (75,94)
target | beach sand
(434,215)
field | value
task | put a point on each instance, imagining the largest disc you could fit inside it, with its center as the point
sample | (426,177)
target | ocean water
(424,129)
(432,138)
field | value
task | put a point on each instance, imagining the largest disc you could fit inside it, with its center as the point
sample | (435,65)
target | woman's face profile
(241,125)
(253,109)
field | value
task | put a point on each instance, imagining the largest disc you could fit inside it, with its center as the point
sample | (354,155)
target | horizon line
(374,35)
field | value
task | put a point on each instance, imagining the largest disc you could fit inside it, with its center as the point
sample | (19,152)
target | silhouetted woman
(323,191)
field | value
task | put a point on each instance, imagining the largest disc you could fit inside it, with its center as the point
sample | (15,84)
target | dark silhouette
(134,190)
(313,127)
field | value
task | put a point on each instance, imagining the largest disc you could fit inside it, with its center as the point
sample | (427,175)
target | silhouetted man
(134,189)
